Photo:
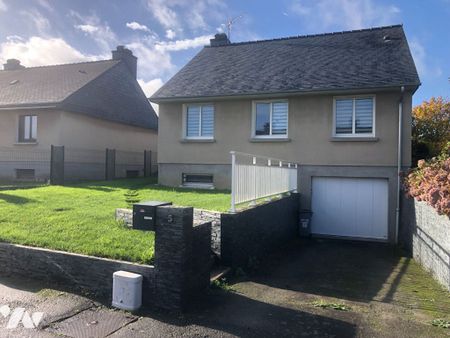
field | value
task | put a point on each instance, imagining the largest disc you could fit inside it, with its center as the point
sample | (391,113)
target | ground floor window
(206,179)
(25,174)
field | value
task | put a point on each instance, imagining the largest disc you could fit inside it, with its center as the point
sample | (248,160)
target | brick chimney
(126,55)
(12,64)
(220,39)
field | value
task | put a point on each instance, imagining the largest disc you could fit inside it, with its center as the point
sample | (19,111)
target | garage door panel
(350,207)
(364,209)
(380,204)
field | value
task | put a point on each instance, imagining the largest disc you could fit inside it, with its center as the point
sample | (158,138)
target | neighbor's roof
(102,89)
(368,58)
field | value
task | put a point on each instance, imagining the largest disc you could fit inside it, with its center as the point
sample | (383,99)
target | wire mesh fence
(84,164)
(129,164)
(24,164)
(66,164)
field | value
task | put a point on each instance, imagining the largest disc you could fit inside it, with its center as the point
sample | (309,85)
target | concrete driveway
(292,293)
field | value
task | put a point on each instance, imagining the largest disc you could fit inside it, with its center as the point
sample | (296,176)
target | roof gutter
(28,107)
(410,87)
(399,162)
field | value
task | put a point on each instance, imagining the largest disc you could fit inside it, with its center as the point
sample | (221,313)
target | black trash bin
(304,223)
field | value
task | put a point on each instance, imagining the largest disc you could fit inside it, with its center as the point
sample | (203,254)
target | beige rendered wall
(81,131)
(75,130)
(310,132)
(48,128)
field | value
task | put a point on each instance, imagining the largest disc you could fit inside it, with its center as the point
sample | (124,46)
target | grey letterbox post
(144,214)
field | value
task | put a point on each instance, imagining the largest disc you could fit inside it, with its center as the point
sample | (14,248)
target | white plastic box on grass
(127,290)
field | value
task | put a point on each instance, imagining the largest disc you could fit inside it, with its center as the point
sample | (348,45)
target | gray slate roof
(334,61)
(102,89)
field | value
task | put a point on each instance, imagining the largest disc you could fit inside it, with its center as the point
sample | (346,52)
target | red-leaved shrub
(430,182)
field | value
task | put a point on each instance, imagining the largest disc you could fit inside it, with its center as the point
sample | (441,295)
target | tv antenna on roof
(230,23)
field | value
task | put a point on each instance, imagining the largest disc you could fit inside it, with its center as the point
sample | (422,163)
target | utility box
(304,226)
(144,214)
(127,290)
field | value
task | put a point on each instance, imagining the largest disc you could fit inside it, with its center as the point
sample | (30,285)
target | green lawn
(80,218)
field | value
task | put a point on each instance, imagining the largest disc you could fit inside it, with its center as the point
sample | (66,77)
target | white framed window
(198,121)
(354,116)
(270,119)
(27,128)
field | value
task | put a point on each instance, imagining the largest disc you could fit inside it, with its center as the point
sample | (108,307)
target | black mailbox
(144,214)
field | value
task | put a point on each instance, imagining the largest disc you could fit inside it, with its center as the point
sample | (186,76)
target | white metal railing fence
(254,177)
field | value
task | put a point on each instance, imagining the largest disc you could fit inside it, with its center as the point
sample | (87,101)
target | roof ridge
(65,64)
(308,35)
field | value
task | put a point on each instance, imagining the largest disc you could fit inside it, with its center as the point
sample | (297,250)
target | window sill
(25,143)
(354,139)
(197,140)
(269,139)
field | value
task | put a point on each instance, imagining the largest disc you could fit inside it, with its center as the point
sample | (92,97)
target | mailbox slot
(144,214)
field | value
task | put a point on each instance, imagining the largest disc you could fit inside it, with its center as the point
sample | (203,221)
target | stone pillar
(57,165)
(182,255)
(110,164)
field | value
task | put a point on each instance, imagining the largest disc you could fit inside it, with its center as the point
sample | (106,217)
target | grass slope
(80,218)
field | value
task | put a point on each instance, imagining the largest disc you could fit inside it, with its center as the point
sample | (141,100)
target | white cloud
(45,4)
(322,15)
(98,30)
(150,87)
(422,61)
(3,6)
(90,29)
(40,23)
(136,26)
(299,8)
(37,51)
(151,62)
(154,59)
(170,34)
(179,14)
(183,44)
(14,38)
(163,13)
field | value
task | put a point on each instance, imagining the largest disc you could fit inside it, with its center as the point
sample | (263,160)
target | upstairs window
(27,128)
(354,116)
(200,121)
(270,119)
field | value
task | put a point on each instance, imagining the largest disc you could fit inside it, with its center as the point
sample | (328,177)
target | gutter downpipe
(399,162)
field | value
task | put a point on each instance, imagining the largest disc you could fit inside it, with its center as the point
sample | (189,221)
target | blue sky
(165,34)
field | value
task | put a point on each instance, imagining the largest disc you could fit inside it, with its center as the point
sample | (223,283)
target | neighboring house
(330,102)
(88,106)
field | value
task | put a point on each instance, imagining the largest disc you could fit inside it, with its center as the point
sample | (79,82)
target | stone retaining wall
(249,235)
(426,234)
(125,215)
(71,271)
(200,216)
(181,264)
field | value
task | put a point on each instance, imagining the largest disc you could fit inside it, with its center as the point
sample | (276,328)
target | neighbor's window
(354,116)
(200,121)
(271,119)
(27,128)
(25,174)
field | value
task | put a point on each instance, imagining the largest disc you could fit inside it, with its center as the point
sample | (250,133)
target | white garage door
(350,207)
